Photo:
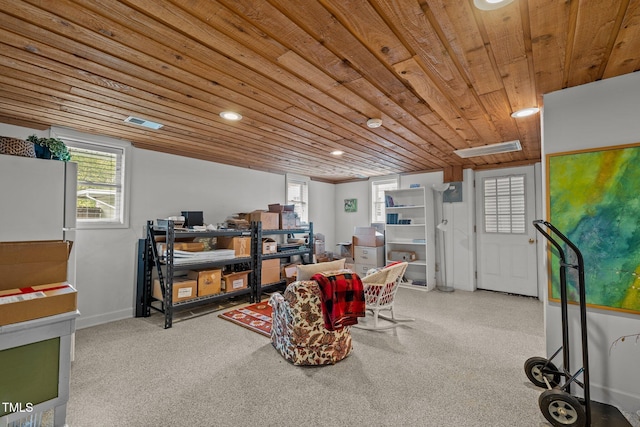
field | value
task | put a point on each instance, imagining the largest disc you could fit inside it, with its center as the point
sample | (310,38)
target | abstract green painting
(594,199)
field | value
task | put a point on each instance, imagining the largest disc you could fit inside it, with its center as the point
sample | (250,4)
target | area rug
(255,317)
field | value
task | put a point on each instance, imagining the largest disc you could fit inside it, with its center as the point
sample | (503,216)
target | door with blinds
(506,238)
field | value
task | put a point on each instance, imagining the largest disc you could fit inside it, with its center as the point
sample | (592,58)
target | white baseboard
(626,402)
(98,319)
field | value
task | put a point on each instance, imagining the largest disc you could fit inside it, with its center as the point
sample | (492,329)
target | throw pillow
(305,272)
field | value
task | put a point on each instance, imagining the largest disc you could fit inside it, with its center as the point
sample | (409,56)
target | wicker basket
(16,147)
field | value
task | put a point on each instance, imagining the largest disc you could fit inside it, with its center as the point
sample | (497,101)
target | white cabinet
(408,234)
(366,258)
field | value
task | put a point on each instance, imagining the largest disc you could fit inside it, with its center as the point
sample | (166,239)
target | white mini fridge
(38,202)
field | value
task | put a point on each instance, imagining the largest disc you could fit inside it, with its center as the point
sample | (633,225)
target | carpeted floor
(459,364)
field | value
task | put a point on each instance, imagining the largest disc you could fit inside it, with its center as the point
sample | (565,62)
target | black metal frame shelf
(258,256)
(166,266)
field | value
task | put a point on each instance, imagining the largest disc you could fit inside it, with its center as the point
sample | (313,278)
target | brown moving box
(235,281)
(28,303)
(402,256)
(208,281)
(277,207)
(33,279)
(367,236)
(269,246)
(183,289)
(289,272)
(288,220)
(33,263)
(183,246)
(270,220)
(241,245)
(270,271)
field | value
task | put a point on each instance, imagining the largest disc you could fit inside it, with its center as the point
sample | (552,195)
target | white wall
(322,210)
(163,185)
(460,241)
(600,114)
(346,221)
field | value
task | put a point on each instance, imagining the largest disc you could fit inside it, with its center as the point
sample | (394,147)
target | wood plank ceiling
(307,75)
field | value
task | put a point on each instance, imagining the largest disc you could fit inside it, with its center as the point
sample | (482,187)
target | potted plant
(50,148)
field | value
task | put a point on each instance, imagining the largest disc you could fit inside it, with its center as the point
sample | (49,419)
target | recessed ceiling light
(337,153)
(525,112)
(374,123)
(491,4)
(230,115)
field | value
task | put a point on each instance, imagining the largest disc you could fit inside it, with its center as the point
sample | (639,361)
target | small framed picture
(453,194)
(351,205)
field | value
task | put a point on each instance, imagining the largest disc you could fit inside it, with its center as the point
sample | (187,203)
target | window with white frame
(378,187)
(102,179)
(504,205)
(298,195)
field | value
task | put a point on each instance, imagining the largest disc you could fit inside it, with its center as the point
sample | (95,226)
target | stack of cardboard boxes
(33,280)
(287,217)
(38,308)
(200,283)
(209,282)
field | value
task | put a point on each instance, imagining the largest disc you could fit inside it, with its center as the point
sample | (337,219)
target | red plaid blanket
(342,299)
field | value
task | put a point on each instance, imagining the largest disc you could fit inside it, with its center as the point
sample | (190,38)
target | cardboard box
(34,302)
(270,220)
(183,289)
(289,272)
(322,258)
(288,220)
(277,207)
(269,246)
(183,246)
(25,264)
(367,236)
(33,280)
(209,281)
(403,256)
(235,281)
(270,271)
(241,245)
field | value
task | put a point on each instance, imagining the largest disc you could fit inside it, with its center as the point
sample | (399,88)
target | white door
(506,236)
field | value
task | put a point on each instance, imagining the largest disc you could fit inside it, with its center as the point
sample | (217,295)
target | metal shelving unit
(258,256)
(166,268)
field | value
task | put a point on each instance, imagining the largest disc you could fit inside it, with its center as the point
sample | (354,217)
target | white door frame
(534,198)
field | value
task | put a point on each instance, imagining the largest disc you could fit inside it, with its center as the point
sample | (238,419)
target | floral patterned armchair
(298,331)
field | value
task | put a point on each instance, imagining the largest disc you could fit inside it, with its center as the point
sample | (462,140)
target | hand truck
(557,404)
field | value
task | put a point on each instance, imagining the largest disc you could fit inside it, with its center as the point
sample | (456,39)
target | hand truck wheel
(562,409)
(534,366)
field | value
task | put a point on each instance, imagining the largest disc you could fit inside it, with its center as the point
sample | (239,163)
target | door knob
(532,241)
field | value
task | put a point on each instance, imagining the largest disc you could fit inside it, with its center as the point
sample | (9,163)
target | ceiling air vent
(143,122)
(485,150)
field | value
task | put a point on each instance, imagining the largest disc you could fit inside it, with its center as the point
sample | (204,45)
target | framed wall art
(351,205)
(594,199)
(453,194)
